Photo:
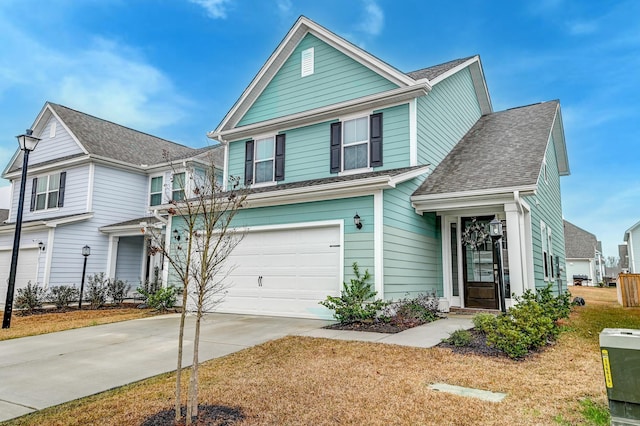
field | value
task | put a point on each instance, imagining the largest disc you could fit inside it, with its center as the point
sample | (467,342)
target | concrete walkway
(42,371)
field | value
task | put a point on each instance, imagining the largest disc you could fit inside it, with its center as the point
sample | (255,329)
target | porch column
(112,255)
(516,257)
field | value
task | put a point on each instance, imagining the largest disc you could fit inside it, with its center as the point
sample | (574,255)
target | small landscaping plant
(117,290)
(554,307)
(96,292)
(62,295)
(460,338)
(356,302)
(30,297)
(484,322)
(410,312)
(163,299)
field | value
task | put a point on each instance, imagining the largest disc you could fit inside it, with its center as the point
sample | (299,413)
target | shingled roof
(518,137)
(578,243)
(431,73)
(110,140)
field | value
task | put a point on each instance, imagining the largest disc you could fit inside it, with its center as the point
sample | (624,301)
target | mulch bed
(478,346)
(86,307)
(208,415)
(376,326)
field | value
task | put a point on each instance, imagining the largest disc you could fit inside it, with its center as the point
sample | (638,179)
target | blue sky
(173,68)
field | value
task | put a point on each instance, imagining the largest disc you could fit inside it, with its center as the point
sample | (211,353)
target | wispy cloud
(103,78)
(582,27)
(284,6)
(373,18)
(216,9)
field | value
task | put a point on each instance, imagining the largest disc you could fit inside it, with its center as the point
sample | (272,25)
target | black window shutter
(336,147)
(375,141)
(248,162)
(280,142)
(63,180)
(34,187)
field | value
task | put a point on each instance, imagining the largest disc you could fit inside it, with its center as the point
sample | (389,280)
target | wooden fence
(629,289)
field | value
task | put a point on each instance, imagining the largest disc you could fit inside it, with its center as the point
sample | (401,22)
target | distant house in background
(585,263)
(4,215)
(623,254)
(632,238)
(91,182)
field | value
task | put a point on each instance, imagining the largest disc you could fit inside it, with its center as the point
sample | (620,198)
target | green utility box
(620,350)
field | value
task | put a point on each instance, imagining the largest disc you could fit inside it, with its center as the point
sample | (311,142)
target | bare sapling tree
(196,245)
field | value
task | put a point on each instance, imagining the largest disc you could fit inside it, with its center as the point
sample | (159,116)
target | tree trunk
(192,407)
(183,315)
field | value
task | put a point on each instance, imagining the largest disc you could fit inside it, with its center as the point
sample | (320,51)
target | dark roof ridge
(464,59)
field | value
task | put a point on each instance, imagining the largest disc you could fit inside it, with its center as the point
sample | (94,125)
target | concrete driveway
(42,371)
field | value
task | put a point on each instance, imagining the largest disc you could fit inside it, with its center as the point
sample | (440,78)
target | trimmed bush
(410,312)
(354,303)
(460,338)
(117,290)
(554,307)
(30,297)
(484,322)
(162,299)
(96,292)
(62,295)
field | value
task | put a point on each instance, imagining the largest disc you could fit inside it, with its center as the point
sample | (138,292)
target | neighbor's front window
(265,155)
(47,192)
(355,143)
(156,191)
(178,187)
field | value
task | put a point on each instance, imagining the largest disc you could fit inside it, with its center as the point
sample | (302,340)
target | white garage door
(284,272)
(27,271)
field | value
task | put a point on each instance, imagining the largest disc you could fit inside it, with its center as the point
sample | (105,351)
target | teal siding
(336,78)
(546,206)
(444,117)
(412,246)
(307,148)
(358,244)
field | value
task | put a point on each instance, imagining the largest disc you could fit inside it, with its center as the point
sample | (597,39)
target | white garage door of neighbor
(27,271)
(284,272)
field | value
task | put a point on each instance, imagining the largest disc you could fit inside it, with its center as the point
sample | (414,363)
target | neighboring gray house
(632,238)
(585,263)
(90,182)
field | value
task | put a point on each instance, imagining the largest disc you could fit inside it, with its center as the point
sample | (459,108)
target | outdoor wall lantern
(495,231)
(41,246)
(86,252)
(28,143)
(356,221)
(176,235)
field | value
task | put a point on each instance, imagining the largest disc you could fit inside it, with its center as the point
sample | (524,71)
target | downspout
(160,218)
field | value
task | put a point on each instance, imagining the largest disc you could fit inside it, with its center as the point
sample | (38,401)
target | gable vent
(307,62)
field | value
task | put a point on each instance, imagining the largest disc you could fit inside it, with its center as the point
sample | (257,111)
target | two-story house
(91,182)
(351,160)
(583,251)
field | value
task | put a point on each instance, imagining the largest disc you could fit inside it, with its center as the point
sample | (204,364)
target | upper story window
(264,160)
(155,197)
(47,192)
(547,252)
(178,187)
(356,144)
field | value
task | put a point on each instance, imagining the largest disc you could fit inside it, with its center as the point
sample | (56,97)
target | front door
(480,288)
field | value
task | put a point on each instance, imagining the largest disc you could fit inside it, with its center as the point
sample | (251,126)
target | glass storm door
(480,288)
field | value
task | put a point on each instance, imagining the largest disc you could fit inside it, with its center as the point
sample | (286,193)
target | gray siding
(61,145)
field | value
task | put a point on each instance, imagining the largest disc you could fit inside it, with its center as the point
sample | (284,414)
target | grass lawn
(22,326)
(298,380)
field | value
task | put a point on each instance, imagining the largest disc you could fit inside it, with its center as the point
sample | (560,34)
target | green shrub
(151,286)
(117,290)
(460,338)
(96,290)
(62,295)
(162,299)
(522,328)
(484,323)
(410,312)
(30,297)
(354,303)
(554,307)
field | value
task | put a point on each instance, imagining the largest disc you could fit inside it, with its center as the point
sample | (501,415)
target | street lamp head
(27,141)
(495,228)
(86,251)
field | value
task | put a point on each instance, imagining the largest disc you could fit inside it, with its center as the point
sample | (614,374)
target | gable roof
(101,138)
(416,79)
(578,243)
(517,137)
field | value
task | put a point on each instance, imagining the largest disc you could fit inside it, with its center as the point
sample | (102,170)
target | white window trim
(162,192)
(185,189)
(307,62)
(345,145)
(544,242)
(256,161)
(46,192)
(552,270)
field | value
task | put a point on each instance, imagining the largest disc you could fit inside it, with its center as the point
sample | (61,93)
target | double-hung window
(155,197)
(547,258)
(264,160)
(47,192)
(178,187)
(356,144)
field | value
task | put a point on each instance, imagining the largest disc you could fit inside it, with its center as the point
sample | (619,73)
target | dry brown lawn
(307,381)
(22,326)
(595,295)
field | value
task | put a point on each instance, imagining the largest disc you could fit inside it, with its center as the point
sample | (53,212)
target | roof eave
(469,199)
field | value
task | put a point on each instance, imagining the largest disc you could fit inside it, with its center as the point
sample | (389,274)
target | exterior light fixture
(495,231)
(41,246)
(356,221)
(176,235)
(28,143)
(86,252)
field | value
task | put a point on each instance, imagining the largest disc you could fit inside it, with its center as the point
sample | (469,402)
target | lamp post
(27,144)
(86,251)
(495,231)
